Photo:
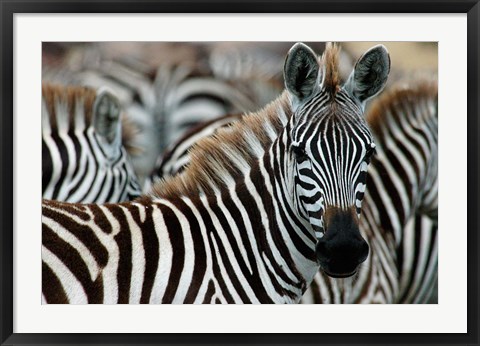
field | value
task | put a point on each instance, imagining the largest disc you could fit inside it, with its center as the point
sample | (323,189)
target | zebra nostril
(321,252)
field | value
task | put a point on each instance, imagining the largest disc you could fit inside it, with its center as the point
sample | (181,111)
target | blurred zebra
(131,81)
(249,219)
(83,157)
(175,159)
(400,207)
(189,96)
(403,187)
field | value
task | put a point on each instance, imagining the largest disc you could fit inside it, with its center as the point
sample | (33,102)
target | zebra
(189,95)
(259,210)
(132,83)
(83,157)
(413,255)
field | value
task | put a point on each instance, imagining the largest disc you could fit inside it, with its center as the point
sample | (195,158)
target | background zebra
(83,157)
(130,80)
(175,159)
(400,207)
(260,207)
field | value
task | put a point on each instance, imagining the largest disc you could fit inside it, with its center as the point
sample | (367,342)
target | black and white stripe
(175,159)
(83,158)
(131,80)
(190,95)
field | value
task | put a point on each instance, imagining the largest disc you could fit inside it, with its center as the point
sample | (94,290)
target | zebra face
(330,147)
(330,156)
(330,159)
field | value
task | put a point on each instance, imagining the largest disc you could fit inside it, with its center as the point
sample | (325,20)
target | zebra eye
(299,153)
(370,152)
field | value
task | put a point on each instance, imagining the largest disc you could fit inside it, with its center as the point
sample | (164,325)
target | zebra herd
(316,197)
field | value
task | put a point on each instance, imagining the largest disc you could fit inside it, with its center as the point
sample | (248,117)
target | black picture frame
(9,8)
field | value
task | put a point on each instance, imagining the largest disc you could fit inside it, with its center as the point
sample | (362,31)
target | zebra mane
(218,159)
(71,96)
(329,60)
(68,98)
(406,98)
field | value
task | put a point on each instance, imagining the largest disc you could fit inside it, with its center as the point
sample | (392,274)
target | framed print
(197,153)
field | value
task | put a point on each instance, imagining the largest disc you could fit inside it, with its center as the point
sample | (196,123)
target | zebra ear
(370,74)
(301,71)
(106,115)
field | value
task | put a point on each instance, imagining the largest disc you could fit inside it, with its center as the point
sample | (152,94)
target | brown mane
(71,96)
(329,60)
(129,133)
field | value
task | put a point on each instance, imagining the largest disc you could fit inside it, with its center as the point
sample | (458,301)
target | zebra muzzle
(342,249)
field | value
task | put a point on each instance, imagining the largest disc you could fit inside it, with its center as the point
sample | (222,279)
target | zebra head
(110,151)
(83,156)
(329,146)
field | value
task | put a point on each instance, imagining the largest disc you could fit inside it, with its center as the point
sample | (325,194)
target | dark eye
(370,152)
(299,153)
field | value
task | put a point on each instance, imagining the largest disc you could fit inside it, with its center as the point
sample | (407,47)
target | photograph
(239,172)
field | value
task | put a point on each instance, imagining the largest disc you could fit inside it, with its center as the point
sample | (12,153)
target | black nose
(342,248)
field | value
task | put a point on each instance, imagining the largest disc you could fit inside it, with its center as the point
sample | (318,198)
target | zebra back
(190,95)
(176,157)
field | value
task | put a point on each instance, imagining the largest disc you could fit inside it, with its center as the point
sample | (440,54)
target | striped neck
(295,230)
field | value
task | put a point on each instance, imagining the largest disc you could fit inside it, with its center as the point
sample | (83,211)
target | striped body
(405,180)
(251,218)
(198,244)
(83,158)
(133,258)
